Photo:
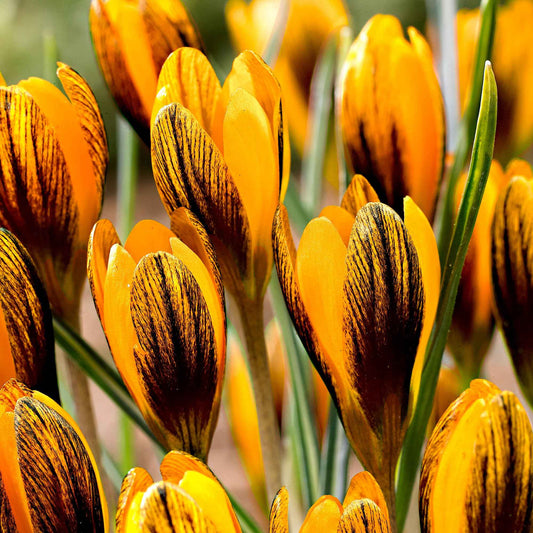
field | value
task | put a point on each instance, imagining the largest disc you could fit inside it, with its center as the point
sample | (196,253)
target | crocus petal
(428,256)
(177,363)
(365,486)
(324,515)
(188,78)
(26,318)
(342,220)
(176,463)
(363,516)
(490,489)
(383,313)
(512,275)
(189,171)
(358,193)
(148,236)
(137,481)
(279,512)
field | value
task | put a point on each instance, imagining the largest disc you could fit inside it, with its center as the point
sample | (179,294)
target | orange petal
(324,515)
(148,236)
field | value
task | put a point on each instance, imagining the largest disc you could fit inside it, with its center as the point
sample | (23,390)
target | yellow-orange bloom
(224,154)
(364,510)
(26,331)
(132,39)
(53,157)
(473,320)
(161,304)
(189,498)
(355,292)
(512,270)
(309,25)
(48,476)
(477,470)
(512,62)
(392,114)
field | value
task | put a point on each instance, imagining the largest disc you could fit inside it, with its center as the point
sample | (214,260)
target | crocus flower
(48,477)
(223,153)
(392,114)
(189,498)
(53,157)
(363,510)
(477,470)
(26,331)
(511,54)
(161,304)
(309,25)
(473,321)
(512,271)
(132,39)
(355,292)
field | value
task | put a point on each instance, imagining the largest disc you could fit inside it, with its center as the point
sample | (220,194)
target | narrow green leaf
(248,524)
(466,218)
(304,427)
(318,126)
(445,215)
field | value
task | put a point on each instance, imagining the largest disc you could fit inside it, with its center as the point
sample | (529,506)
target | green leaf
(444,222)
(466,219)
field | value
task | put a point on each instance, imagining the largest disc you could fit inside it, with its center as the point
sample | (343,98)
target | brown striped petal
(57,487)
(177,354)
(188,78)
(392,114)
(512,275)
(189,171)
(363,516)
(132,41)
(279,512)
(358,193)
(383,313)
(364,486)
(26,321)
(491,487)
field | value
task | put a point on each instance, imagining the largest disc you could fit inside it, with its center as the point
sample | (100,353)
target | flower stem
(251,313)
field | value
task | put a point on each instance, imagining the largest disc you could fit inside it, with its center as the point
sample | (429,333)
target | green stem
(306,435)
(103,374)
(251,314)
(466,218)
(329,453)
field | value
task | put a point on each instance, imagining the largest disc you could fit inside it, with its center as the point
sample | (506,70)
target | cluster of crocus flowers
(223,153)
(26,332)
(392,114)
(477,471)
(53,158)
(48,476)
(132,41)
(473,319)
(355,291)
(189,498)
(308,26)
(363,510)
(512,270)
(513,67)
(161,304)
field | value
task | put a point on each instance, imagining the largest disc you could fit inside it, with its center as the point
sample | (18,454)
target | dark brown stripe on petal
(279,512)
(190,171)
(177,360)
(90,119)
(56,471)
(363,516)
(27,316)
(7,520)
(168,509)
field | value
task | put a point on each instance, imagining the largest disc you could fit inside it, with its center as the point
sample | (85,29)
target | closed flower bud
(512,271)
(53,157)
(512,62)
(189,498)
(132,39)
(26,331)
(48,477)
(392,114)
(477,470)
(161,304)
